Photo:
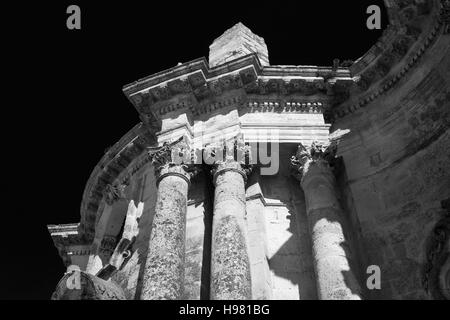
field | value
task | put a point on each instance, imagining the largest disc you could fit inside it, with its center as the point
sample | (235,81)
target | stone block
(237,42)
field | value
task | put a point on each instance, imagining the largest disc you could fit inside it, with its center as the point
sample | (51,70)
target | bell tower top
(236,42)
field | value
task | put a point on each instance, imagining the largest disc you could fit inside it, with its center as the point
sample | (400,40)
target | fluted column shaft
(335,279)
(230,266)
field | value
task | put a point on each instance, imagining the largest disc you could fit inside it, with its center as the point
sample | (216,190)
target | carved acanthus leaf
(317,152)
(325,152)
(230,153)
(176,153)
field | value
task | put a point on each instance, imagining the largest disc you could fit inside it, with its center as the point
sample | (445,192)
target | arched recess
(116,168)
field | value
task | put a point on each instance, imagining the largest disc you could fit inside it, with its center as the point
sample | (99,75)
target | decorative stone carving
(282,87)
(396,50)
(175,158)
(319,154)
(65,236)
(229,155)
(281,106)
(218,103)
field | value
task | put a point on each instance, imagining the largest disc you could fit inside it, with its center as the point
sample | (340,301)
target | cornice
(198,72)
(413,26)
(65,236)
(62,229)
(283,106)
(195,87)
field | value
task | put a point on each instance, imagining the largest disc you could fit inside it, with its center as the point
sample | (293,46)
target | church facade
(250,181)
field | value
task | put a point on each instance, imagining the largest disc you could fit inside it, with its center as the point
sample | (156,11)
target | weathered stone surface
(163,277)
(164,269)
(335,279)
(397,171)
(236,42)
(78,285)
(230,266)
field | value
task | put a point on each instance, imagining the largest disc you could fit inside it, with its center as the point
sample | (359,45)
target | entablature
(69,241)
(196,88)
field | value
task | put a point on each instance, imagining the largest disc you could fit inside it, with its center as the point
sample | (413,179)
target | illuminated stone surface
(383,204)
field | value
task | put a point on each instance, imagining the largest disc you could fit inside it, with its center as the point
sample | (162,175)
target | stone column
(164,268)
(230,265)
(335,279)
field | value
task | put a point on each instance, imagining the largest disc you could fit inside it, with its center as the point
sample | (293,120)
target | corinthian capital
(322,154)
(318,153)
(229,155)
(174,156)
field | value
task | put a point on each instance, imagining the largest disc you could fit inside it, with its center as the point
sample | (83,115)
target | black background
(68,106)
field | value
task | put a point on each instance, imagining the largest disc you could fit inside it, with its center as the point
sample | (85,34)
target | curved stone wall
(398,167)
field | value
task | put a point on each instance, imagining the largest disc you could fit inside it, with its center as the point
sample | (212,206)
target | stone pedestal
(230,266)
(335,279)
(164,268)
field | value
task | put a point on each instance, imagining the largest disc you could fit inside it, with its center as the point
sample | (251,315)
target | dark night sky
(71,106)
